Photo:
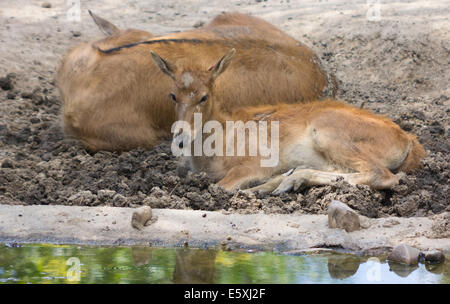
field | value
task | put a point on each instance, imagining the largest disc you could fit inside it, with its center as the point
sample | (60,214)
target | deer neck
(213,165)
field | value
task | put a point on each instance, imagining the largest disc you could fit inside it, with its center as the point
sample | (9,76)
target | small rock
(141,217)
(35,120)
(46,5)
(7,163)
(342,216)
(6,83)
(199,24)
(433,257)
(405,254)
(76,33)
(37,99)
(10,95)
(390,222)
(294,225)
(27,95)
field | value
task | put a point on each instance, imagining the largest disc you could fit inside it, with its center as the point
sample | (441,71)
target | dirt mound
(40,166)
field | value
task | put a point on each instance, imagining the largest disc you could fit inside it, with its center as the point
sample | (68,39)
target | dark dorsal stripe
(127,46)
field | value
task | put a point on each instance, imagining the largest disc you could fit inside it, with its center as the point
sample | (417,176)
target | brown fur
(118,101)
(320,141)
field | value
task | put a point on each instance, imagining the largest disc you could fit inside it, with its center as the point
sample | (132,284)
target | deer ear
(222,64)
(105,26)
(163,65)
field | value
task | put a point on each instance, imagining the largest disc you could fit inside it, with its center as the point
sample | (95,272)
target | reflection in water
(402,269)
(194,266)
(48,264)
(142,255)
(343,266)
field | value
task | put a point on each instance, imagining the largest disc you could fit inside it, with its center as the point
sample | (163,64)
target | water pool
(43,263)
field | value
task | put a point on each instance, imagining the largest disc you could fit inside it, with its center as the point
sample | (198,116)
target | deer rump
(116,98)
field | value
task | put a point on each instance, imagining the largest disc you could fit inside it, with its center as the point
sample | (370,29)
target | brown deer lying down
(115,98)
(318,141)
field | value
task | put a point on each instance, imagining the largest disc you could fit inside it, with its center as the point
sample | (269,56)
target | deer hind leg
(271,184)
(363,168)
(300,178)
(376,178)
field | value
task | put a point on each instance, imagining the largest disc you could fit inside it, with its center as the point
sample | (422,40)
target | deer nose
(180,145)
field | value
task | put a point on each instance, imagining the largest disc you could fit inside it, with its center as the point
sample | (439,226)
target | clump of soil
(441,226)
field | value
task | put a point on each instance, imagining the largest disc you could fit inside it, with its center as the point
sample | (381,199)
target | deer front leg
(240,177)
(271,184)
(286,182)
(304,177)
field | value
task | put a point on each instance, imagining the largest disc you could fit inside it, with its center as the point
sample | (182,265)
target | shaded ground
(398,66)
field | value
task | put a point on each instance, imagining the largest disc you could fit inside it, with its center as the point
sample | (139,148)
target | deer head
(192,91)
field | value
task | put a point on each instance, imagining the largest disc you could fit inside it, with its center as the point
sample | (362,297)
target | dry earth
(397,66)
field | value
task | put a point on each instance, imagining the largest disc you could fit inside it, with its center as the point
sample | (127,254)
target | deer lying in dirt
(115,97)
(319,142)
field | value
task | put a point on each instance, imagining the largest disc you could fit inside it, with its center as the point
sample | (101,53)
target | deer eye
(172,96)
(204,98)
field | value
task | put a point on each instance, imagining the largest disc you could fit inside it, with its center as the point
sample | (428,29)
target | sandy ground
(397,66)
(206,229)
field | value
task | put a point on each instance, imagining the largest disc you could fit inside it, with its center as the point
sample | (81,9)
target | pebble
(199,24)
(6,83)
(433,257)
(342,216)
(390,223)
(404,254)
(76,33)
(46,5)
(141,217)
(7,163)
(27,95)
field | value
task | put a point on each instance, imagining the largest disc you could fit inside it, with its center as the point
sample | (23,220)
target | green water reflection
(58,264)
